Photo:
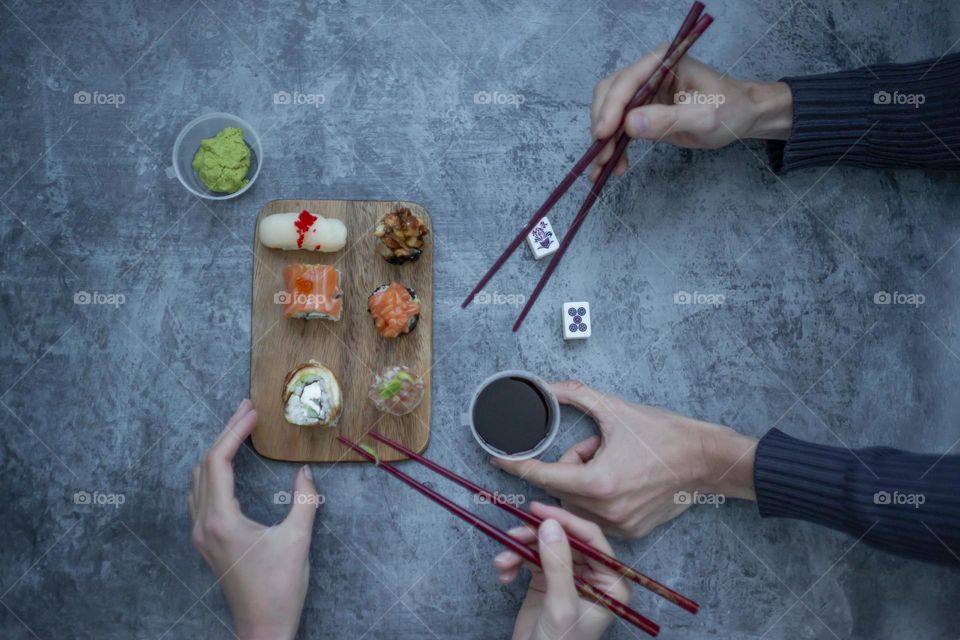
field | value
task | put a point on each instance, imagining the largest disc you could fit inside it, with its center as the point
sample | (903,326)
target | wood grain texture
(351,348)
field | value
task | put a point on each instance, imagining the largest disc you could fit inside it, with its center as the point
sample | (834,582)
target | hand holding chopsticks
(692,28)
(552,608)
(532,519)
(529,555)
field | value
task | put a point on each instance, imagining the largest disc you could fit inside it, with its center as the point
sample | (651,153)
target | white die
(577,321)
(542,240)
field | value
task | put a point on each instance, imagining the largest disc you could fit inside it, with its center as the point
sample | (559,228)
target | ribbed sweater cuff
(907,503)
(796,479)
(884,116)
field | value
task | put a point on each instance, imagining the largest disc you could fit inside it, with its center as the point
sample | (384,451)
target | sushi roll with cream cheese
(312,396)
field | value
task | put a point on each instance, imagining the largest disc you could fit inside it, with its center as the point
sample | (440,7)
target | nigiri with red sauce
(304,230)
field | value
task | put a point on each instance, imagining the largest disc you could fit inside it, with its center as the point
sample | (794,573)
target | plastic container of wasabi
(188,143)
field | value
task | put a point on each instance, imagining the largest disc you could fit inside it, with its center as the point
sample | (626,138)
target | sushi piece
(401,234)
(396,390)
(311,396)
(302,230)
(312,292)
(395,309)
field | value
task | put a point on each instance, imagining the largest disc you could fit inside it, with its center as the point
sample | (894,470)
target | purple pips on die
(576,320)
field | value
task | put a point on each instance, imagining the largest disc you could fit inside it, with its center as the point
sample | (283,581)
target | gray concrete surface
(122,399)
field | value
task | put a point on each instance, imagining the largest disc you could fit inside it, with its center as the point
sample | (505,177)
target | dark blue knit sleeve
(901,502)
(881,116)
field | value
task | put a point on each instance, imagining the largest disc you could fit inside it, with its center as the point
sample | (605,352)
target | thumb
(560,604)
(554,477)
(305,499)
(590,401)
(657,121)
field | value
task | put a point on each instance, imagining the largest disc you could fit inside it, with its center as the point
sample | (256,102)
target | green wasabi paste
(222,162)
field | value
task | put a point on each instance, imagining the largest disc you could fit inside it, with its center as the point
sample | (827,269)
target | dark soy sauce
(511,415)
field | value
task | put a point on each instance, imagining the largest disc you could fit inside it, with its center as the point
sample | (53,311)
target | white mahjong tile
(577,321)
(542,240)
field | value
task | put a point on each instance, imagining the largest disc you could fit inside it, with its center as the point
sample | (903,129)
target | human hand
(697,107)
(628,478)
(553,609)
(263,571)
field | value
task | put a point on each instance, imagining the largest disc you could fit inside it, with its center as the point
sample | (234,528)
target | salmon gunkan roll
(312,292)
(395,309)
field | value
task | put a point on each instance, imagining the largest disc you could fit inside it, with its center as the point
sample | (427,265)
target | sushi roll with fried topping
(401,233)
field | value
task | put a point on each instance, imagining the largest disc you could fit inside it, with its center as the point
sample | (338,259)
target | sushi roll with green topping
(397,391)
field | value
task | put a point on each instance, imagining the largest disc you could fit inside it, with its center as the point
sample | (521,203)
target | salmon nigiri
(313,292)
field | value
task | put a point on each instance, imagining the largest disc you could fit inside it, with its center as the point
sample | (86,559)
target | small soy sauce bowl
(510,397)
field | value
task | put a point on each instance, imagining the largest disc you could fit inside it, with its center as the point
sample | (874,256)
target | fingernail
(495,462)
(307,472)
(638,123)
(516,531)
(551,531)
(502,557)
(504,579)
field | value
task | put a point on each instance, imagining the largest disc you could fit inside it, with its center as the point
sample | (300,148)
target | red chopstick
(693,26)
(592,552)
(525,552)
(643,94)
(669,61)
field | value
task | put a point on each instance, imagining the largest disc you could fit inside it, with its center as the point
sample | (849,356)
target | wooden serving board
(351,348)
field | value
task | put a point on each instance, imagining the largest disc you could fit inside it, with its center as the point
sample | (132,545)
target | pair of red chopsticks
(528,554)
(693,27)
